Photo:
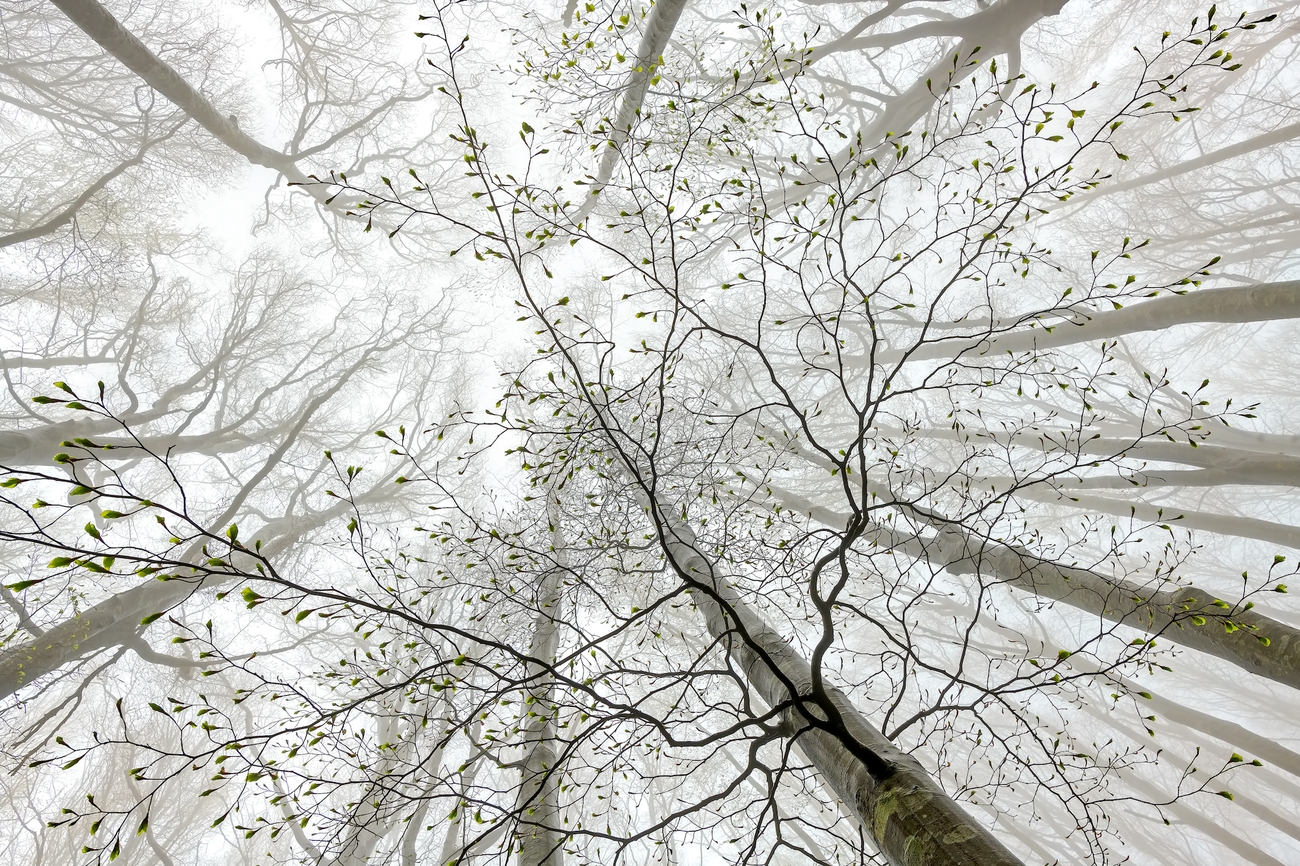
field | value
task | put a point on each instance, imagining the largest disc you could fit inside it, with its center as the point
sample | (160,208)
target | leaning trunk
(909,816)
(1186,615)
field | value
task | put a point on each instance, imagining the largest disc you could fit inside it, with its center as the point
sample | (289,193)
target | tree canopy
(649,432)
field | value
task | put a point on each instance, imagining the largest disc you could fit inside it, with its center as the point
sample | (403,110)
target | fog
(649,433)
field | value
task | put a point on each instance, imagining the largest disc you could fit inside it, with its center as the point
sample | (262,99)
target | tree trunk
(117,618)
(1250,640)
(100,25)
(539,838)
(1250,145)
(658,28)
(1260,303)
(911,819)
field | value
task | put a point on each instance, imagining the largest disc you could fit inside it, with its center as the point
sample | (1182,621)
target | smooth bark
(1186,615)
(1260,303)
(100,25)
(538,835)
(118,618)
(907,814)
(1222,524)
(1250,145)
(649,55)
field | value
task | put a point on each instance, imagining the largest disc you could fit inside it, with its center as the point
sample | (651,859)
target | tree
(811,572)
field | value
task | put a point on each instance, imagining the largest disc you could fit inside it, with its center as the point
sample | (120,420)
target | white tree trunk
(1260,303)
(910,818)
(538,834)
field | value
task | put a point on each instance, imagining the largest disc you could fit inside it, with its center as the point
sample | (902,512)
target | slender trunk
(100,25)
(909,816)
(1250,145)
(368,826)
(117,618)
(1237,465)
(455,844)
(996,29)
(1244,801)
(658,28)
(1272,753)
(37,446)
(538,834)
(1222,524)
(1186,615)
(430,768)
(1260,303)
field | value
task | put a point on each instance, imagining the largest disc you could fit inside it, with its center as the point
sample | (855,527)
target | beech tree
(876,472)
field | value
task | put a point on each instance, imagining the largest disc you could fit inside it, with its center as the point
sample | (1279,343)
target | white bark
(539,838)
(908,815)
(1244,637)
(1259,303)
(658,28)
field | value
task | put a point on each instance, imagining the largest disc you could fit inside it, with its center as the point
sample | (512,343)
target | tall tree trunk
(117,619)
(1187,615)
(539,836)
(1261,303)
(658,28)
(100,25)
(908,815)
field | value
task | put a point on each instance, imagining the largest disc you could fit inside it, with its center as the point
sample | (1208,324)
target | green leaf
(60,562)
(150,618)
(21,585)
